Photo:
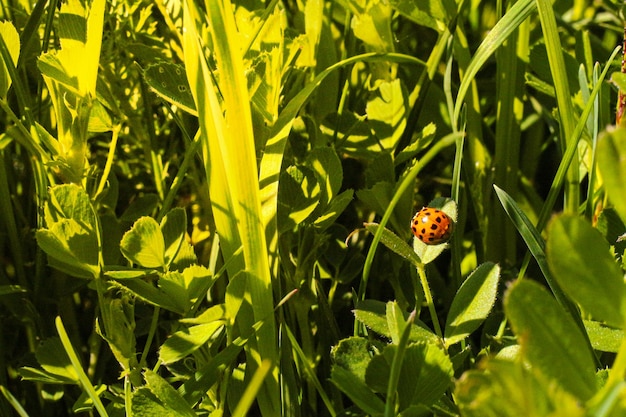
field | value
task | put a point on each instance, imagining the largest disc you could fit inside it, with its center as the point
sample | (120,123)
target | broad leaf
(611,154)
(582,264)
(167,394)
(169,81)
(144,244)
(186,341)
(472,303)
(52,357)
(372,314)
(603,338)
(353,354)
(506,388)
(298,196)
(425,375)
(551,341)
(173,226)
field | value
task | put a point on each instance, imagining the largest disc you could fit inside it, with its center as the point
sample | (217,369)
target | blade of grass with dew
(230,162)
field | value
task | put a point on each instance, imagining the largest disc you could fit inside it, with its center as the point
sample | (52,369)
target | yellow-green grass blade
(230,159)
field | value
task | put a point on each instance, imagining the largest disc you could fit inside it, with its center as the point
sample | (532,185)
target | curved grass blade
(536,245)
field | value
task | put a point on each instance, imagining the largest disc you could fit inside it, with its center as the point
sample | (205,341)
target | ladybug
(432,226)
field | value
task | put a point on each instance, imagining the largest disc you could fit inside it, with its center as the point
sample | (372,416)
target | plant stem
(429,300)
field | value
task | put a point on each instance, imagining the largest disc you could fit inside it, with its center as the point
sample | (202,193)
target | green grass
(206,206)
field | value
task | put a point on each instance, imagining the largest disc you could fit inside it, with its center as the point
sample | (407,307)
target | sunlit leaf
(144,245)
(472,303)
(184,342)
(581,262)
(611,154)
(169,81)
(11,40)
(550,339)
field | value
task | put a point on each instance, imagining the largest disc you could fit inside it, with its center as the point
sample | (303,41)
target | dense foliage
(206,208)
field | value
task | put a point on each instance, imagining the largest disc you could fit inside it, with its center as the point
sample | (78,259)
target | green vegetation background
(206,207)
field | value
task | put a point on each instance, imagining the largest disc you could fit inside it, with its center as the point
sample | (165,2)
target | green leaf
(396,322)
(611,154)
(334,210)
(50,66)
(40,375)
(551,341)
(356,390)
(167,394)
(377,197)
(118,318)
(11,39)
(353,354)
(496,36)
(144,403)
(395,244)
(11,289)
(144,205)
(131,273)
(147,292)
(70,201)
(235,293)
(472,303)
(372,314)
(144,244)
(425,375)
(372,25)
(186,341)
(327,167)
(173,226)
(536,245)
(70,248)
(506,388)
(387,113)
(298,196)
(581,262)
(216,312)
(429,13)
(169,81)
(603,338)
(53,359)
(173,285)
(197,281)
(619,79)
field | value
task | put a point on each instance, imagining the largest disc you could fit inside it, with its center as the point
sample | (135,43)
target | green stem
(428,298)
